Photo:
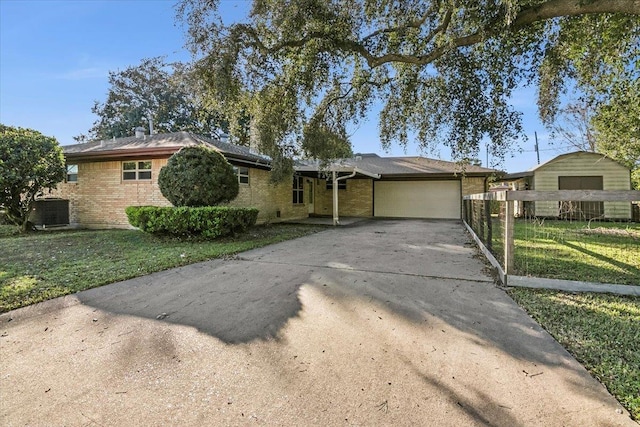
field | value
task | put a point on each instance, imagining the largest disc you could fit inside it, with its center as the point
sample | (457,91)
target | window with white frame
(298,190)
(72,173)
(242,173)
(136,171)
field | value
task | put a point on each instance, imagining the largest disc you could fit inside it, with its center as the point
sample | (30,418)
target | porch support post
(335,198)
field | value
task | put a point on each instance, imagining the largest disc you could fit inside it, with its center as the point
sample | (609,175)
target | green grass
(601,331)
(8,230)
(604,252)
(48,264)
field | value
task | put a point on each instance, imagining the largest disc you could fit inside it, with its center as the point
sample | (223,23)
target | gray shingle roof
(169,141)
(398,166)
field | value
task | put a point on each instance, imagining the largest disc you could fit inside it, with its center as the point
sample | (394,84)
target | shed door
(580,210)
(417,199)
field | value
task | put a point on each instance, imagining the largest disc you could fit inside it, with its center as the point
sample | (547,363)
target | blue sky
(55,57)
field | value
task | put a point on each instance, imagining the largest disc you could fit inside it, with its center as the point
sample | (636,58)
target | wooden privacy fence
(498,243)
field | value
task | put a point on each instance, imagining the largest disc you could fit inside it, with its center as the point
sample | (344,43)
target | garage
(417,199)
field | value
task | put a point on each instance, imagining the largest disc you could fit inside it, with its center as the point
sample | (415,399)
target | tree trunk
(19,216)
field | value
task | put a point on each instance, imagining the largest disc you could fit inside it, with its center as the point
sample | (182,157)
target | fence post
(477,209)
(509,220)
(487,214)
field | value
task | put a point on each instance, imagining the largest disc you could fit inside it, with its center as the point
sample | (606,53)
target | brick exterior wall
(99,197)
(473,185)
(356,200)
(269,198)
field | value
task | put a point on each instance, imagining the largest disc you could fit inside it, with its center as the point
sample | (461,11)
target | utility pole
(537,148)
(486,147)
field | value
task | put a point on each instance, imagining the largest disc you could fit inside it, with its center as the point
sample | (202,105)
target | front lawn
(49,264)
(601,331)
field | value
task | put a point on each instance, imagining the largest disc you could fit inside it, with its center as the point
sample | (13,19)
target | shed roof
(577,154)
(531,172)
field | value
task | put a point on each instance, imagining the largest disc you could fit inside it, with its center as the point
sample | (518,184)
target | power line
(551,149)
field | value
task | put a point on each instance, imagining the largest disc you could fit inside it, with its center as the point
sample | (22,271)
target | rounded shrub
(198,176)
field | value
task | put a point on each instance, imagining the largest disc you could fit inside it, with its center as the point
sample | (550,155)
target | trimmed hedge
(205,221)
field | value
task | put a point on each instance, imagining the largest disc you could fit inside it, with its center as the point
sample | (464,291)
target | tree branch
(543,12)
(398,29)
(548,10)
(333,99)
(442,28)
(557,8)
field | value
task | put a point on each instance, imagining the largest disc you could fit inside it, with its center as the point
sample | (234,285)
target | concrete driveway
(382,323)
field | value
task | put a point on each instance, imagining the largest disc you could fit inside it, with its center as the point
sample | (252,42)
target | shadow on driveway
(230,300)
(382,323)
(416,269)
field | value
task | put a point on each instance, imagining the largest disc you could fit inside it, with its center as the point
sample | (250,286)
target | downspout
(336,219)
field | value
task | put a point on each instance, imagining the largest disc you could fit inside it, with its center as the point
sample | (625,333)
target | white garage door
(417,199)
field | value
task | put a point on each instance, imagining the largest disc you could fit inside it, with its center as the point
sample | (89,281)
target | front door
(310,196)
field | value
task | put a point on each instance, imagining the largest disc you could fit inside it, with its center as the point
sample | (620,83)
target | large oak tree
(444,71)
(168,94)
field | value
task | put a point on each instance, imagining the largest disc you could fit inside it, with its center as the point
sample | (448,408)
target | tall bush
(30,163)
(198,176)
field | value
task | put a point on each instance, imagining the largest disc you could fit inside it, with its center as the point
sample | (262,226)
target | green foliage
(590,54)
(596,56)
(617,125)
(169,94)
(442,72)
(208,221)
(321,142)
(198,176)
(601,331)
(30,163)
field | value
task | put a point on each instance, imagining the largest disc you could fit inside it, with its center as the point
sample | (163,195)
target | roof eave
(515,176)
(121,154)
(107,155)
(366,173)
(259,164)
(451,175)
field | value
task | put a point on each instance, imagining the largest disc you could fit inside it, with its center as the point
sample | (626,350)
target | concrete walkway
(380,323)
(573,285)
(328,220)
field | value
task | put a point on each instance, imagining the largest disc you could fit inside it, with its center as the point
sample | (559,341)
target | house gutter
(107,155)
(452,176)
(336,219)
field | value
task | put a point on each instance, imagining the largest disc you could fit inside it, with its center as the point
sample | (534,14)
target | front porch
(327,220)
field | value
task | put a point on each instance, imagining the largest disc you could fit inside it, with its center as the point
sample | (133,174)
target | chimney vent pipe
(139,132)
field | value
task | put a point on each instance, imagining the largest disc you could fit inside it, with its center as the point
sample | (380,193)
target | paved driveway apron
(383,323)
